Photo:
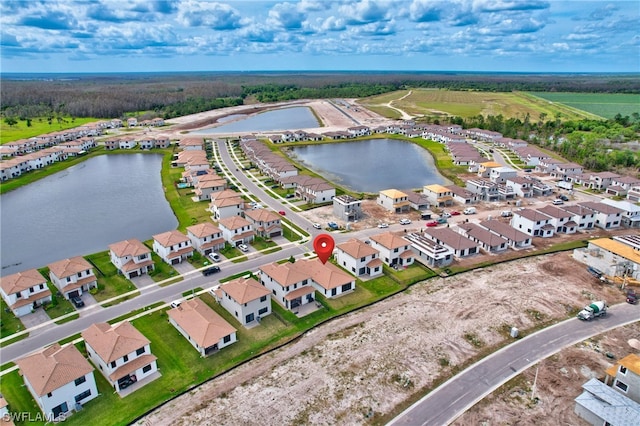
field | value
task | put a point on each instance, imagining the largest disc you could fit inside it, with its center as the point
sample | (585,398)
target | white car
(317,226)
(557,202)
(243,247)
(445,215)
(214,256)
(405,221)
(175,303)
(383,225)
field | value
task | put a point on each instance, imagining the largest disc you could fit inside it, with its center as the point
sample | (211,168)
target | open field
(466,104)
(605,105)
(39,126)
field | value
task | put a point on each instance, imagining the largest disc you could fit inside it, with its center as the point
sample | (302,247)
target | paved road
(447,402)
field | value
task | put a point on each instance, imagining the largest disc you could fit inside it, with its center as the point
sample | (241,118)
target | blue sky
(245,35)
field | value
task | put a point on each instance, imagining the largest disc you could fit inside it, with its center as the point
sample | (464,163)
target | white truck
(565,185)
(592,310)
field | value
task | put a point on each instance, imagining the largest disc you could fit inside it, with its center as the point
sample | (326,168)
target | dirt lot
(359,367)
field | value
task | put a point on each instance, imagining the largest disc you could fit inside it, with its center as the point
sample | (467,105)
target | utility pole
(535,380)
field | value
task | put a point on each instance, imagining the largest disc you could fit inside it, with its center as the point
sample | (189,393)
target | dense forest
(169,95)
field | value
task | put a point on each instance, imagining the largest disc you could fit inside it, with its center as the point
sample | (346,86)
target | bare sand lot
(358,368)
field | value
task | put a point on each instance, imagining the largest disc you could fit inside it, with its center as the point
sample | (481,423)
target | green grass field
(605,105)
(466,104)
(38,127)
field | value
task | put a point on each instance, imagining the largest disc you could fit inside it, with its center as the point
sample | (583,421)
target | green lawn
(605,105)
(110,282)
(39,126)
(9,323)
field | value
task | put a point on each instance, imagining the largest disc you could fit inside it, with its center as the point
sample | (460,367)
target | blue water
(371,165)
(83,209)
(293,118)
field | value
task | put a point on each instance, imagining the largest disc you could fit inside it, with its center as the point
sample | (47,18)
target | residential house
(515,238)
(394,250)
(314,190)
(429,252)
(121,353)
(327,278)
(72,276)
(602,180)
(417,200)
(347,208)
(131,258)
(487,240)
(633,194)
(611,256)
(237,230)
(622,185)
(461,195)
(584,217)
(483,189)
(59,378)
(560,219)
(172,246)
(206,187)
(291,286)
(132,122)
(540,188)
(522,187)
(630,212)
(207,331)
(624,376)
(438,195)
(205,237)
(501,174)
(265,223)
(192,143)
(458,243)
(359,258)
(533,222)
(24,291)
(245,298)
(607,216)
(484,169)
(226,204)
(394,201)
(565,170)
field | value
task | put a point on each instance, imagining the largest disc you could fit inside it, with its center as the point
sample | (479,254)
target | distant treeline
(171,95)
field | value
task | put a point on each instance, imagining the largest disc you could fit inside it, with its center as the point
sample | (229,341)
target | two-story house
(394,250)
(560,219)
(607,216)
(59,378)
(429,252)
(532,222)
(72,276)
(487,240)
(522,187)
(394,201)
(121,353)
(203,328)
(484,169)
(205,238)
(24,291)
(438,195)
(501,174)
(245,298)
(236,230)
(172,246)
(131,258)
(347,208)
(226,204)
(584,217)
(630,212)
(265,223)
(290,286)
(359,258)
(515,238)
(460,245)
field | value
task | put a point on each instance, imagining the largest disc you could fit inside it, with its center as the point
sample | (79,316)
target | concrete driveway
(36,318)
(183,267)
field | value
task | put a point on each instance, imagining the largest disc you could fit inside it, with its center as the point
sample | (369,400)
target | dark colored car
(563,197)
(211,270)
(632,297)
(77,302)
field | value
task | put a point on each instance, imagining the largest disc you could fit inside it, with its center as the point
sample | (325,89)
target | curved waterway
(293,118)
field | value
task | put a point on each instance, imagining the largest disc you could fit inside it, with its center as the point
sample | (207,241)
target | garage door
(275,234)
(75,293)
(133,274)
(175,261)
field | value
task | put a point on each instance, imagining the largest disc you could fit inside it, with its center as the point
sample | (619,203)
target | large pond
(82,210)
(371,165)
(293,118)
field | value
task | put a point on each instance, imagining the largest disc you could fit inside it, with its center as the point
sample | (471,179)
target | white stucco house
(59,378)
(393,249)
(237,230)
(394,201)
(359,258)
(24,291)
(72,276)
(121,353)
(131,258)
(172,246)
(534,223)
(205,238)
(245,298)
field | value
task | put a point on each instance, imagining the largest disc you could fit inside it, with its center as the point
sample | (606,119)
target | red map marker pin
(323,245)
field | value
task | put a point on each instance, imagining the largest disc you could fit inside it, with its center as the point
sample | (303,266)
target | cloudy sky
(245,35)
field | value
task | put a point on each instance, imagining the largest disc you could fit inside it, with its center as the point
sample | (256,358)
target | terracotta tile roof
(225,202)
(132,247)
(451,238)
(234,222)
(302,291)
(67,267)
(114,342)
(356,248)
(170,238)
(227,193)
(326,275)
(53,368)
(32,298)
(21,281)
(132,366)
(284,274)
(375,262)
(244,290)
(389,240)
(203,229)
(262,215)
(201,322)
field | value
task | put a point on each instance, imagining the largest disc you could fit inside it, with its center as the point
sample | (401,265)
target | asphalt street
(447,402)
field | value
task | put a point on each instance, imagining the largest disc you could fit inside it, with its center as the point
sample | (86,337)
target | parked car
(317,226)
(243,247)
(210,270)
(445,215)
(441,220)
(432,223)
(175,303)
(563,197)
(282,213)
(506,213)
(528,170)
(333,225)
(455,213)
(557,202)
(77,301)
(405,221)
(383,225)
(215,257)
(632,297)
(289,195)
